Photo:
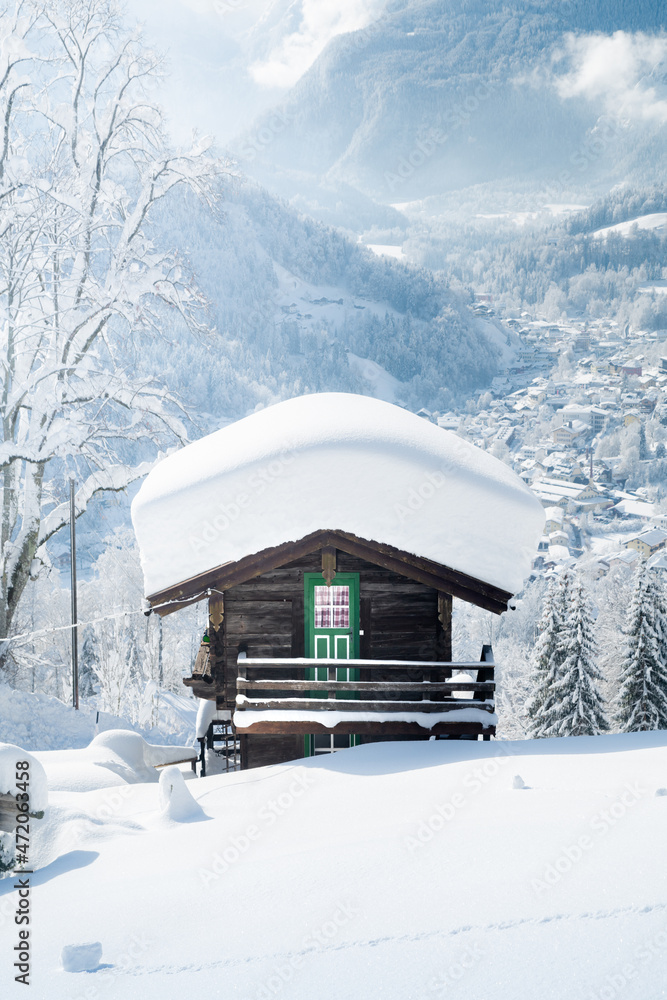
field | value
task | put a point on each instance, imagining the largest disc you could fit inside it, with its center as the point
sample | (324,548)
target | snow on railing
(326,685)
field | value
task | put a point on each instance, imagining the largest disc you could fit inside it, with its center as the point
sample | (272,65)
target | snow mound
(299,850)
(399,480)
(176,800)
(518,782)
(81,957)
(11,777)
(113,758)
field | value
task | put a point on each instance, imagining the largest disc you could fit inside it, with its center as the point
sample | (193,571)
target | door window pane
(332,607)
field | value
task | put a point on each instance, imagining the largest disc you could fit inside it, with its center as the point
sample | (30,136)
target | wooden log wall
(258,750)
(264,617)
(399,619)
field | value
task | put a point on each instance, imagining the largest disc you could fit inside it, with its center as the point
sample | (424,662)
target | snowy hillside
(487,870)
(287,297)
(42,722)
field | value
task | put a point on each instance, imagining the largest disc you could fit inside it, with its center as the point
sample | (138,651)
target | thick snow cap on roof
(335,461)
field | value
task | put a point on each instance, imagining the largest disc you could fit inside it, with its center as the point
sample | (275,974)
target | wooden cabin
(334,633)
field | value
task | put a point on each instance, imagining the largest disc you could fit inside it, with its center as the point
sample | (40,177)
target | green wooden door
(332,632)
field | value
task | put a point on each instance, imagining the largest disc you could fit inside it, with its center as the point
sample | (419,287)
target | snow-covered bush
(7,852)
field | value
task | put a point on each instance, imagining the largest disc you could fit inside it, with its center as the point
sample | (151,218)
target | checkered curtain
(340,599)
(332,607)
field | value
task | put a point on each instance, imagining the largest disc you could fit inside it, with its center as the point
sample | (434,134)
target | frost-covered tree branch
(83,162)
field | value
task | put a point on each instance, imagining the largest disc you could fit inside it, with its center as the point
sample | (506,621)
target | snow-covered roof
(341,462)
(650,536)
(627,557)
(635,508)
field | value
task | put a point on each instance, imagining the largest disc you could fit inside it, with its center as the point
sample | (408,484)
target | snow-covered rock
(336,461)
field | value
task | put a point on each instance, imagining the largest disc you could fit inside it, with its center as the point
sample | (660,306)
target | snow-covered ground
(499,340)
(656,220)
(382,384)
(564,208)
(653,288)
(502,871)
(387,250)
(40,722)
(311,305)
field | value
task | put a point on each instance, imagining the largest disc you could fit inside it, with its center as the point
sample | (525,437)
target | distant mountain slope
(443,94)
(289,297)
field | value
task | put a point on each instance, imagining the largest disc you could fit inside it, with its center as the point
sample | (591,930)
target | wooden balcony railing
(266,687)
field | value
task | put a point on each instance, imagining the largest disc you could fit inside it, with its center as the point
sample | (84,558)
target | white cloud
(627,72)
(320,22)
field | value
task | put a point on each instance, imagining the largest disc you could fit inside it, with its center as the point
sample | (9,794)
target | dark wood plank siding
(261,624)
(265,617)
(258,750)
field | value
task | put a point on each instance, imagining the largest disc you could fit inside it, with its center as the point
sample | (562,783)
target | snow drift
(392,870)
(335,461)
(176,801)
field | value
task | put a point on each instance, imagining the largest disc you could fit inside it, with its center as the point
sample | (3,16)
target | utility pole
(72,555)
(159,652)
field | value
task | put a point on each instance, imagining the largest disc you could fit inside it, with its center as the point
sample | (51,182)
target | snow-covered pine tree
(642,696)
(88,662)
(580,705)
(542,707)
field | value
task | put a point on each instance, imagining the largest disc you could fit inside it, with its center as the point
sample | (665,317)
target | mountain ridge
(445,94)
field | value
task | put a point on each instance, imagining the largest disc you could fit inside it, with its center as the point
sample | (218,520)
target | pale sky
(231,59)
